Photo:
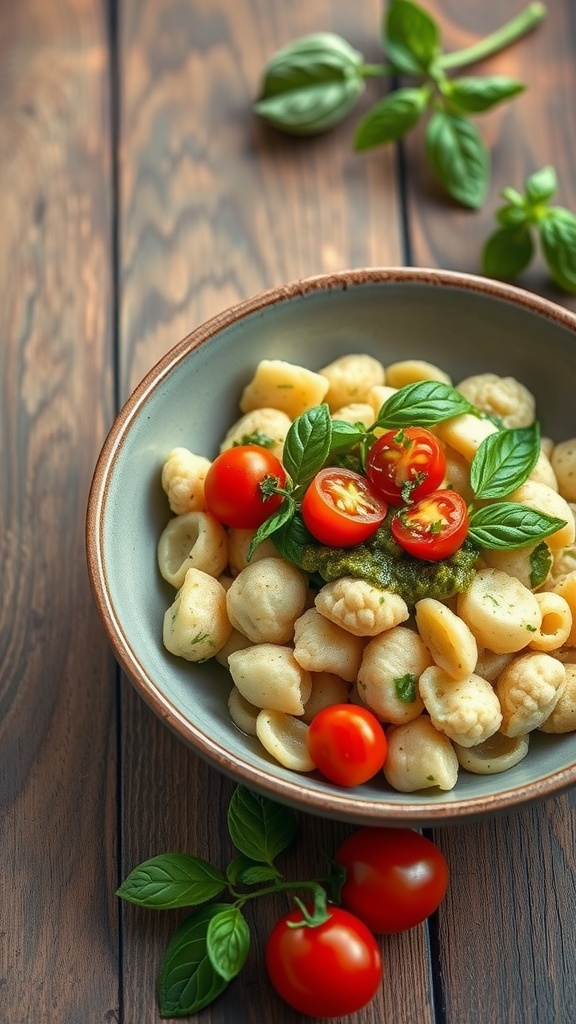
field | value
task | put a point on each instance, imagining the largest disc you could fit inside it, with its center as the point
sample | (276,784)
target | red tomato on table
(341,508)
(329,970)
(405,464)
(433,528)
(232,486)
(395,878)
(347,744)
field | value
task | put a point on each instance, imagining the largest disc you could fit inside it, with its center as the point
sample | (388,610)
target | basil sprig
(211,945)
(528,218)
(314,82)
(504,460)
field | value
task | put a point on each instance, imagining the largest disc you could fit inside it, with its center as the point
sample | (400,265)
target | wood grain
(58,941)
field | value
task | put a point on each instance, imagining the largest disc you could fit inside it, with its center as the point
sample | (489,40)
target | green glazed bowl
(462,323)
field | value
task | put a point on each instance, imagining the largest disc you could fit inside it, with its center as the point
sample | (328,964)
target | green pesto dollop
(381,561)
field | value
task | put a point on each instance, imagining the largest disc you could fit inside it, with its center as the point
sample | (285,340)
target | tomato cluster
(395,878)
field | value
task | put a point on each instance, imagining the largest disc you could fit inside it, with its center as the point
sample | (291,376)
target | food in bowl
(385,564)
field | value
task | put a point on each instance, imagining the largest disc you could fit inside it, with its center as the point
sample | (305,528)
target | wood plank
(214,208)
(508,919)
(58,942)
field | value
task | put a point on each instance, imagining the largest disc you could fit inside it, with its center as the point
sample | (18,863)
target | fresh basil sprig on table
(525,218)
(314,82)
(503,462)
(211,945)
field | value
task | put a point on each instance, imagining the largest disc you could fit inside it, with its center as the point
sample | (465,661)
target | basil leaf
(540,562)
(187,981)
(458,157)
(512,216)
(504,460)
(558,239)
(422,403)
(311,84)
(259,873)
(228,942)
(411,37)
(508,251)
(345,435)
(259,827)
(541,185)
(508,524)
(172,880)
(292,539)
(391,118)
(475,95)
(278,518)
(307,444)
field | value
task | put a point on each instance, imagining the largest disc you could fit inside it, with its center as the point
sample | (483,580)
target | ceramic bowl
(462,323)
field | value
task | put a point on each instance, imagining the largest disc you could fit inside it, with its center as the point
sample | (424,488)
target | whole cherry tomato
(434,528)
(341,508)
(406,464)
(347,744)
(395,878)
(232,486)
(329,970)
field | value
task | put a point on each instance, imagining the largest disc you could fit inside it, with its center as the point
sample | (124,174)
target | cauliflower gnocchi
(457,682)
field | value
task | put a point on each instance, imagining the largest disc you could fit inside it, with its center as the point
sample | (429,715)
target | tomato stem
(311,919)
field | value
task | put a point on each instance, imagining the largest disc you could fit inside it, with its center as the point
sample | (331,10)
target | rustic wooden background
(139,197)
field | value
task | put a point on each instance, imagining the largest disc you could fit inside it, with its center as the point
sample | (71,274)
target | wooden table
(139,197)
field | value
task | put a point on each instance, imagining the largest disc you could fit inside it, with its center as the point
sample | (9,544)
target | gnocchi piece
(196,625)
(378,395)
(409,371)
(327,689)
(504,397)
(449,640)
(465,433)
(322,646)
(545,499)
(528,691)
(420,757)
(563,718)
(388,676)
(563,562)
(490,664)
(242,713)
(543,472)
(285,386)
(466,710)
(563,461)
(496,754)
(270,425)
(350,378)
(556,624)
(183,475)
(565,586)
(358,412)
(360,607)
(286,739)
(235,642)
(269,676)
(457,473)
(195,540)
(516,562)
(500,611)
(238,545)
(265,600)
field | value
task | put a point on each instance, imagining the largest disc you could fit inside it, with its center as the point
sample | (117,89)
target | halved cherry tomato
(329,970)
(434,528)
(395,877)
(406,464)
(341,508)
(347,744)
(232,486)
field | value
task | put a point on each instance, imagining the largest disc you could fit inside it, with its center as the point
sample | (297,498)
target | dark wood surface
(139,197)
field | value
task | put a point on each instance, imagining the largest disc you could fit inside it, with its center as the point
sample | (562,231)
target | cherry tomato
(232,486)
(330,970)
(434,528)
(341,508)
(347,744)
(395,878)
(406,464)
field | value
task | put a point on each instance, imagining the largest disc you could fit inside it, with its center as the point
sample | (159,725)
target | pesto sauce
(382,562)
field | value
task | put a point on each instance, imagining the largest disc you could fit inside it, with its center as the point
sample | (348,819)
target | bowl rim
(359,809)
